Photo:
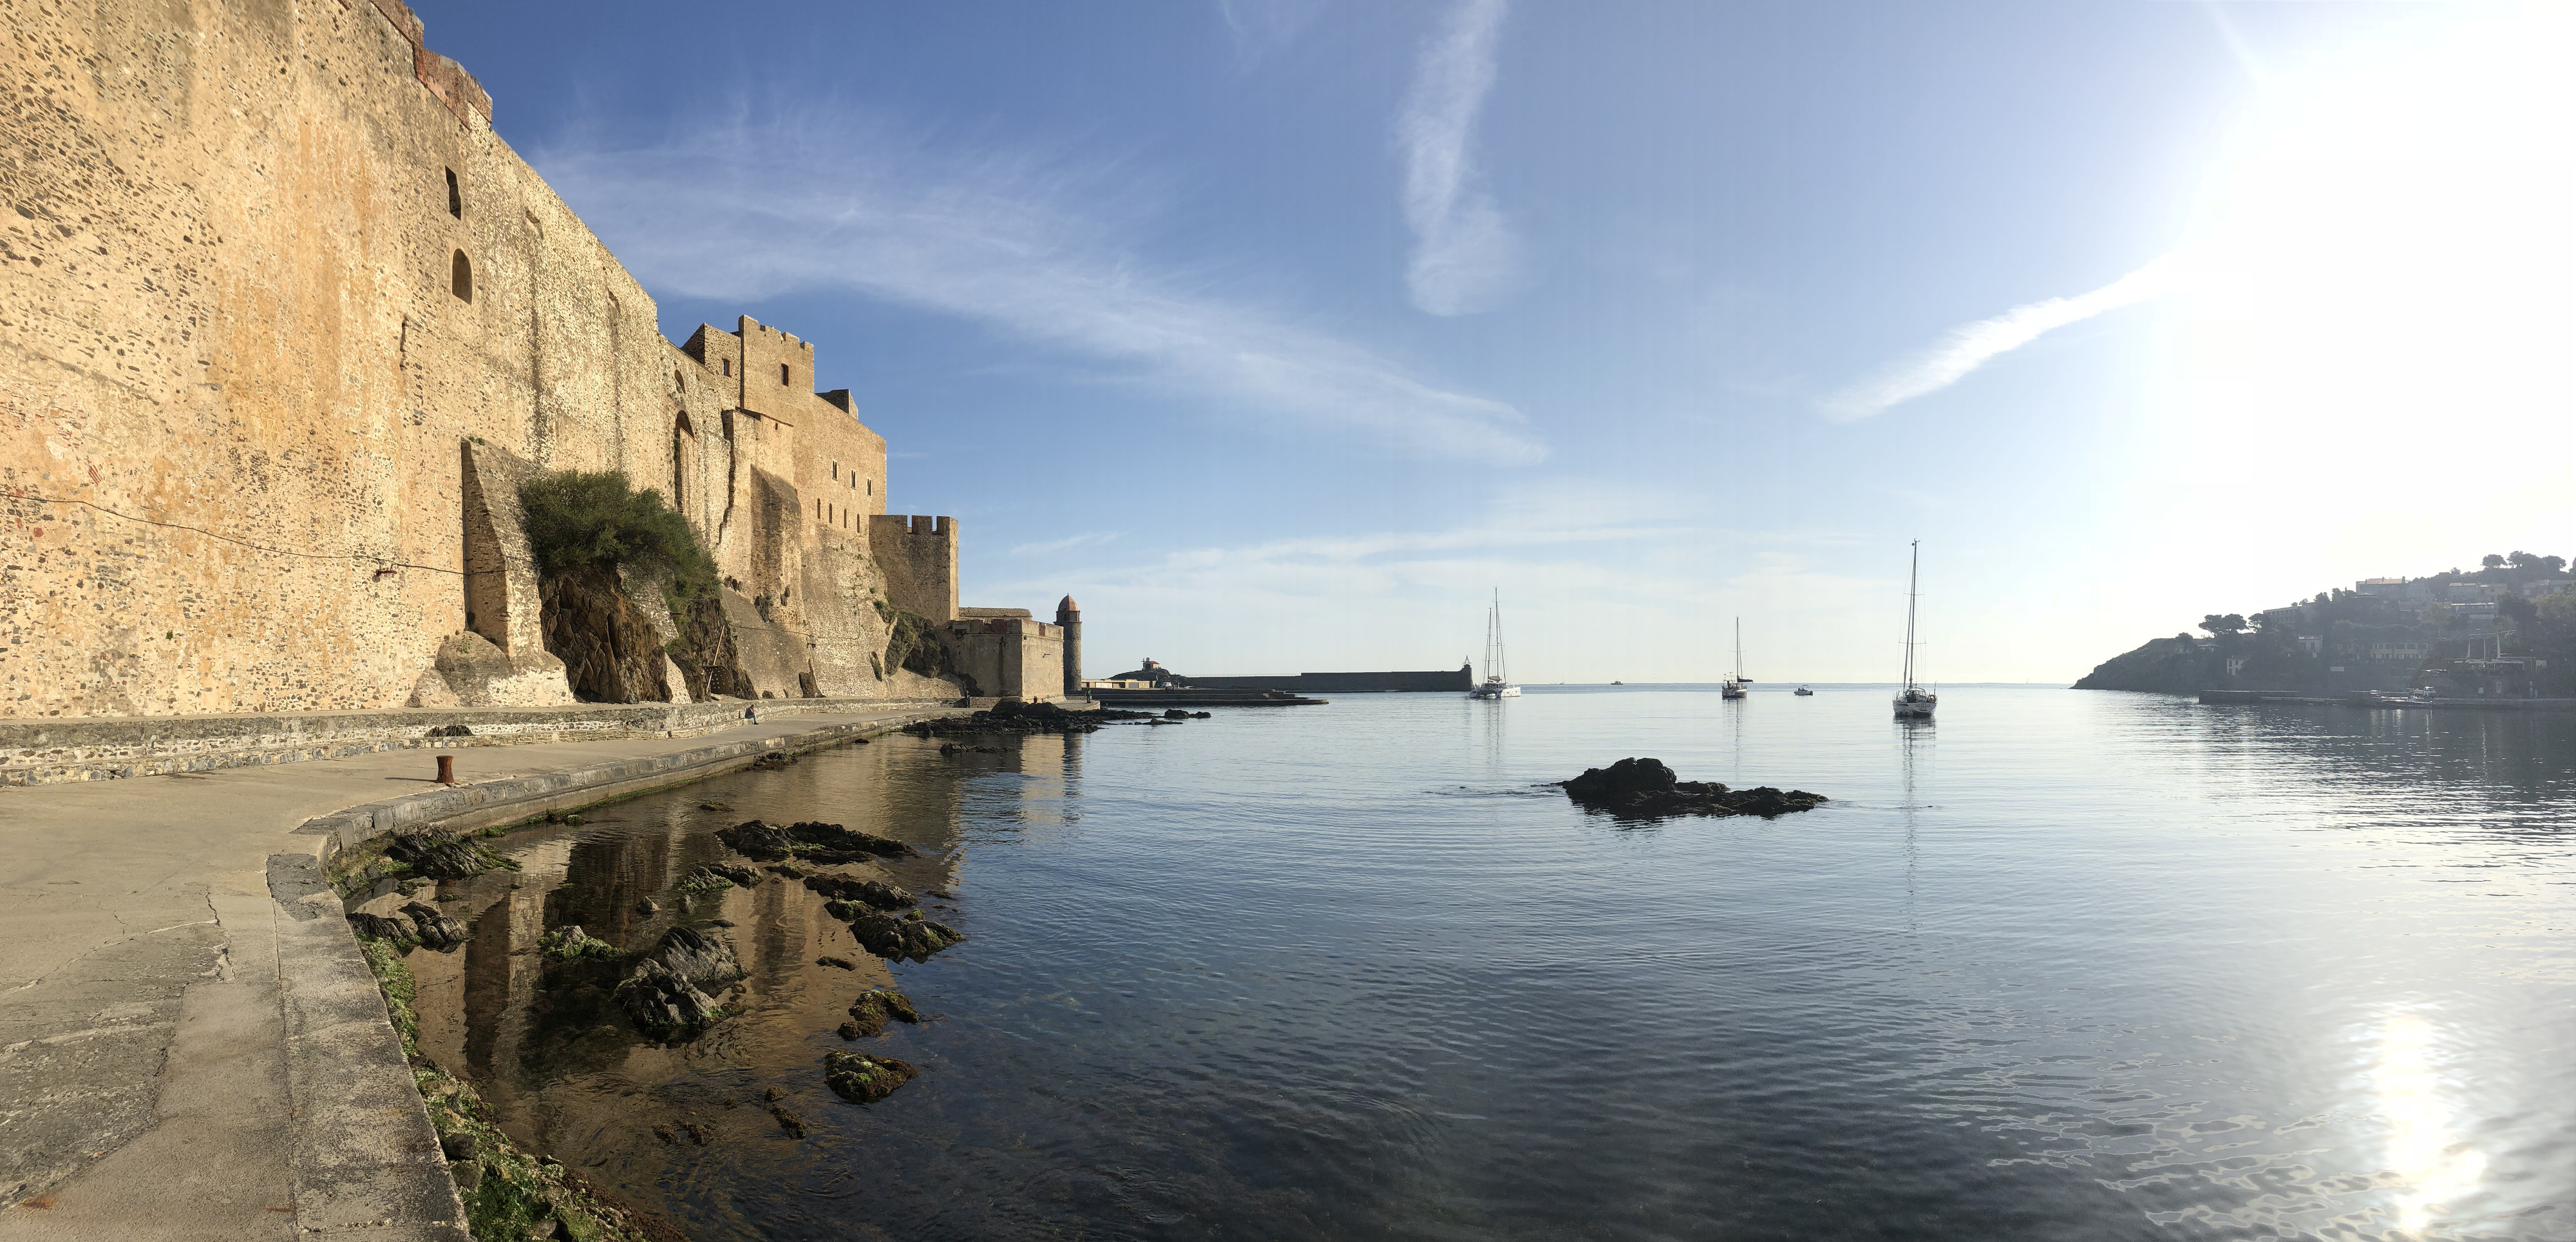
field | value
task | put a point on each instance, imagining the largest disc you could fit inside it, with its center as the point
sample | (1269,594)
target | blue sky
(1281,334)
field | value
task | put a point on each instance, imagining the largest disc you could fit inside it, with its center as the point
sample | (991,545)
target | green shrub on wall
(577,519)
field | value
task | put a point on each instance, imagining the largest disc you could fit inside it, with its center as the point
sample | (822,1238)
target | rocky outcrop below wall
(611,652)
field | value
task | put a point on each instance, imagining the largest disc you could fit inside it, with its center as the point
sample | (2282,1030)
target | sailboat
(1733,687)
(1496,685)
(1913,702)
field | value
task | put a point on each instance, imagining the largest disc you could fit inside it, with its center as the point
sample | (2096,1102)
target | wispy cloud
(1066,544)
(1465,254)
(1970,346)
(745,209)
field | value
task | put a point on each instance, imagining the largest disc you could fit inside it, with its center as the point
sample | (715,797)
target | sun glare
(2377,293)
(2431,1165)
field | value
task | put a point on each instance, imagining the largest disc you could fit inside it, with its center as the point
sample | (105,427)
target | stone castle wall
(270,278)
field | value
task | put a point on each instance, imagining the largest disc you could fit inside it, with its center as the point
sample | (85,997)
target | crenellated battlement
(919,556)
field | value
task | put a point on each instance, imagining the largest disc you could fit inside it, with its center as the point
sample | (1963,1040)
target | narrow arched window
(455,199)
(461,278)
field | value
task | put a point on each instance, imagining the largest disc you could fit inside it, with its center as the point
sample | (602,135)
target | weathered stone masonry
(278,310)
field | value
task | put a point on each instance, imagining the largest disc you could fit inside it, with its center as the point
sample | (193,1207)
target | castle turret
(1069,615)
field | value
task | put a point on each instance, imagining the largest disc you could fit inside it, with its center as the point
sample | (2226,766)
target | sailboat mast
(1497,654)
(1739,648)
(1913,576)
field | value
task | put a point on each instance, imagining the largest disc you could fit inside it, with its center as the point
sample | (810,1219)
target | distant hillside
(2461,630)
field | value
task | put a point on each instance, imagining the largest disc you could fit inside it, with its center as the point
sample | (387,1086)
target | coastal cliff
(2507,628)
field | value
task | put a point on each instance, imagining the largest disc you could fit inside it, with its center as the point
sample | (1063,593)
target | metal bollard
(447,769)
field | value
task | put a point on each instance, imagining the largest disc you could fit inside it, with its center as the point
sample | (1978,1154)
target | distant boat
(1618,683)
(1733,686)
(1913,702)
(1804,693)
(1496,685)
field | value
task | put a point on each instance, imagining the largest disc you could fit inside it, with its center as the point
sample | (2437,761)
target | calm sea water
(2061,965)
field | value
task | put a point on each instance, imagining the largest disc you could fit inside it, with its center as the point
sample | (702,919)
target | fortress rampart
(282,323)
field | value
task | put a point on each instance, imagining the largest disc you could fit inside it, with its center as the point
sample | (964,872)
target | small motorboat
(1618,683)
(1804,693)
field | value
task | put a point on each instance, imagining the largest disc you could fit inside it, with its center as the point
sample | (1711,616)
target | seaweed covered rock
(812,842)
(572,944)
(699,958)
(665,1005)
(668,992)
(861,889)
(437,931)
(878,1006)
(444,857)
(717,876)
(864,1079)
(1646,789)
(886,935)
(378,927)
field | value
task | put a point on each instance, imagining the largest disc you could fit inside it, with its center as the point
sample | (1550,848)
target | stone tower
(1069,615)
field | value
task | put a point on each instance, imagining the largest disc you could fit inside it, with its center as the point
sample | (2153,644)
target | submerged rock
(864,1079)
(716,876)
(877,1006)
(886,935)
(839,963)
(1646,789)
(437,931)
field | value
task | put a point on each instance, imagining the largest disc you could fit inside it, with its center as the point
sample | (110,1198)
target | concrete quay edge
(516,799)
(366,1159)
(51,750)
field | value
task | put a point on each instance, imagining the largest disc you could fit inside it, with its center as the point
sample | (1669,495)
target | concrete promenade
(190,1044)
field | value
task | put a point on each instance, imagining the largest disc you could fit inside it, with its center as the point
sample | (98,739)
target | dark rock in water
(887,936)
(719,922)
(1175,714)
(571,944)
(703,960)
(877,1006)
(667,1135)
(699,1132)
(715,877)
(864,1079)
(647,907)
(378,927)
(771,762)
(1646,789)
(666,994)
(788,1121)
(808,842)
(664,1005)
(865,891)
(841,962)
(713,806)
(773,1095)
(443,857)
(849,1030)
(437,931)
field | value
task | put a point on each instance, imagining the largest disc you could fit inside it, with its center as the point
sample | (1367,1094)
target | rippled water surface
(2063,965)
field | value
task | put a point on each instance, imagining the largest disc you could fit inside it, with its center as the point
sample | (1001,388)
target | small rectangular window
(728,364)
(782,373)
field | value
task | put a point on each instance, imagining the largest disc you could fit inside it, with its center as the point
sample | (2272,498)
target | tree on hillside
(2492,561)
(2533,562)
(2231,623)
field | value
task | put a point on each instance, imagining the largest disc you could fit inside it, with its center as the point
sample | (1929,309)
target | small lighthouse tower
(1069,615)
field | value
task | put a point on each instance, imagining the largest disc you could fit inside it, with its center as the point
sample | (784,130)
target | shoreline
(308,1090)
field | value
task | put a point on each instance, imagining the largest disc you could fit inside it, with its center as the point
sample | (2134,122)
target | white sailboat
(1913,702)
(1496,684)
(1733,687)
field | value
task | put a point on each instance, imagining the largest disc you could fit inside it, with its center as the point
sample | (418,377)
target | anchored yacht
(1913,702)
(1496,685)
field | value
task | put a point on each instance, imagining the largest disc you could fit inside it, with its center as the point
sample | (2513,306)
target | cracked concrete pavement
(152,985)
